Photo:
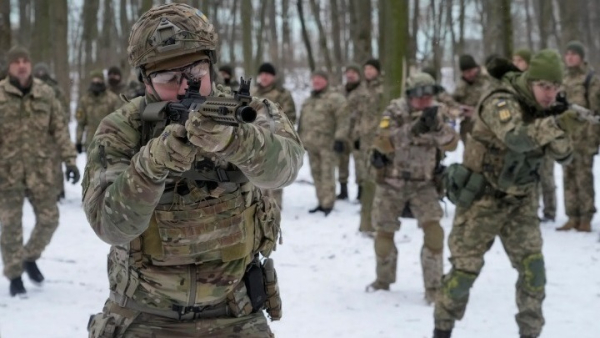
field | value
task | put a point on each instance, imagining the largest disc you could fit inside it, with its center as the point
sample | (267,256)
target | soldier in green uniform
(180,205)
(115,81)
(228,76)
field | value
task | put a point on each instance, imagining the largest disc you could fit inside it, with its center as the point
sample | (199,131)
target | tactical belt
(178,312)
(216,175)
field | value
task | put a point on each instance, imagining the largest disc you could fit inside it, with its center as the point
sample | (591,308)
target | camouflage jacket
(366,120)
(574,86)
(412,157)
(119,89)
(32,127)
(62,98)
(507,144)
(323,119)
(91,110)
(279,95)
(181,241)
(453,111)
(358,105)
(469,93)
(233,85)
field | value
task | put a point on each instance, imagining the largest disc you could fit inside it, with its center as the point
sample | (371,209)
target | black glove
(560,106)
(357,144)
(427,122)
(338,146)
(379,160)
(72,174)
(79,148)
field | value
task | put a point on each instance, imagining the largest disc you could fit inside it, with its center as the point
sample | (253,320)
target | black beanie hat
(114,70)
(226,69)
(375,63)
(466,62)
(267,68)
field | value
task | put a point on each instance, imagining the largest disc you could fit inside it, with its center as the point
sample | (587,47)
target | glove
(338,146)
(569,121)
(168,152)
(379,160)
(560,106)
(72,173)
(427,122)
(207,135)
(79,148)
(357,144)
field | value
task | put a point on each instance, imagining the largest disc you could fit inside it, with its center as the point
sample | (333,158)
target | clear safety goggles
(195,71)
(422,91)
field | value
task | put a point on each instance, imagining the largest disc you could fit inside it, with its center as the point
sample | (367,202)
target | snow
(324,266)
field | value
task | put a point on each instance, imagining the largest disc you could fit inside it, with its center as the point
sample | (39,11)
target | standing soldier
(115,81)
(42,71)
(454,109)
(521,59)
(493,199)
(33,124)
(229,79)
(92,108)
(472,85)
(180,204)
(582,87)
(323,129)
(358,100)
(411,134)
(366,125)
(267,88)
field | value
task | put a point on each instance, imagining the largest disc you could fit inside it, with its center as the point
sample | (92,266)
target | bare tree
(247,14)
(498,35)
(89,37)
(5,29)
(109,51)
(336,40)
(543,11)
(232,36)
(146,5)
(412,52)
(273,36)
(286,42)
(322,35)
(311,59)
(259,36)
(529,24)
(569,21)
(25,10)
(362,45)
(41,40)
(60,9)
(396,42)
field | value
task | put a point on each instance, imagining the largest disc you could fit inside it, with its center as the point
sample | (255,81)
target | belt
(177,312)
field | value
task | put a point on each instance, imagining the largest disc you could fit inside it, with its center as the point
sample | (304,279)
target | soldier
(473,83)
(180,205)
(411,134)
(42,71)
(115,81)
(366,125)
(323,128)
(512,130)
(442,96)
(358,100)
(582,87)
(32,126)
(92,108)
(521,58)
(229,79)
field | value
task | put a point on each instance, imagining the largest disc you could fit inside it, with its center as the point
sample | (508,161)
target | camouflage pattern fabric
(578,175)
(468,94)
(31,126)
(366,122)
(119,89)
(358,103)
(548,187)
(511,214)
(323,120)
(179,241)
(90,111)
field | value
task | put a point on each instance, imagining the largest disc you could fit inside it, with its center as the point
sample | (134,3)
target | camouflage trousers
(360,165)
(119,322)
(60,179)
(548,187)
(388,206)
(578,181)
(516,222)
(344,164)
(322,168)
(276,194)
(43,201)
(366,204)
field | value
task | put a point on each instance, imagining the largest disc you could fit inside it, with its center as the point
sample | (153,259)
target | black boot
(318,208)
(326,211)
(16,287)
(344,192)
(359,193)
(441,334)
(33,272)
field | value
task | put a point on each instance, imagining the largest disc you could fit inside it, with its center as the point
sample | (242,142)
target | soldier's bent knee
(384,243)
(458,283)
(434,236)
(534,273)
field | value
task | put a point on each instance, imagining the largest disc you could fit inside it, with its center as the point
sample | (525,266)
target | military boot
(585,226)
(573,223)
(33,272)
(16,287)
(343,192)
(377,285)
(437,333)
(318,208)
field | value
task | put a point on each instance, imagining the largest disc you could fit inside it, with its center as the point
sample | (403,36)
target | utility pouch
(255,285)
(273,304)
(462,185)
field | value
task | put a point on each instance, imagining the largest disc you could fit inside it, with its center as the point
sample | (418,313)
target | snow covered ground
(324,266)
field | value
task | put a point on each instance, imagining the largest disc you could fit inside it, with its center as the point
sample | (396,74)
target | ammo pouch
(519,169)
(273,304)
(463,186)
(267,227)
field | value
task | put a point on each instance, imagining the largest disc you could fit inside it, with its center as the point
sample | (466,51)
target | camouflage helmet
(170,35)
(419,80)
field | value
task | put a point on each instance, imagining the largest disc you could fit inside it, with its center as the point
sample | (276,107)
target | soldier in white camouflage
(180,203)
(411,135)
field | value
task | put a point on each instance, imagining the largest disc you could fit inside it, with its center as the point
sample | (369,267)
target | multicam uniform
(90,111)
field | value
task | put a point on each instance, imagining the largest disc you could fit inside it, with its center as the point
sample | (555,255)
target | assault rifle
(583,113)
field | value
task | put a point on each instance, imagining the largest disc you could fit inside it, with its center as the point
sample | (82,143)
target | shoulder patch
(504,115)
(501,103)
(385,122)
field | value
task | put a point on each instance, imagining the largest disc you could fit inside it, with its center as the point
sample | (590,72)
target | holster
(255,284)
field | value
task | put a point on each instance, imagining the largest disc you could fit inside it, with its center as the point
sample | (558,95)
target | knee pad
(534,273)
(384,243)
(434,236)
(457,284)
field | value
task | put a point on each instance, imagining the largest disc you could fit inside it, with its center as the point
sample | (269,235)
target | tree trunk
(25,8)
(214,19)
(396,41)
(412,53)
(232,37)
(352,12)
(108,50)
(259,36)
(322,35)
(125,30)
(311,59)
(274,39)
(5,29)
(286,44)
(460,49)
(543,11)
(89,36)
(381,27)
(247,14)
(569,21)
(363,48)
(436,42)
(337,40)
(61,46)
(41,40)
(206,6)
(500,28)
(529,24)
(146,5)
(450,27)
